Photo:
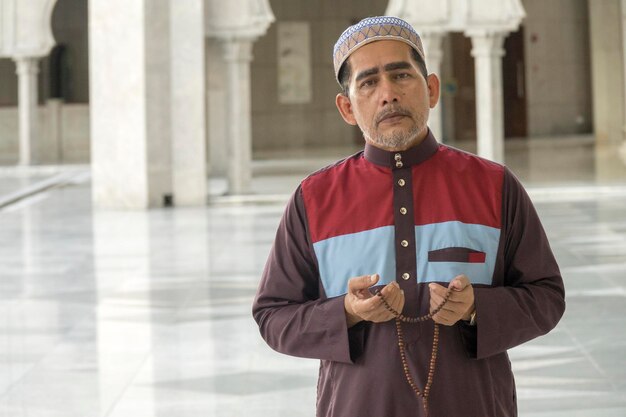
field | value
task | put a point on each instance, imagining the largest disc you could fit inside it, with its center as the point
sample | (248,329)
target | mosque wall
(63,134)
(8,135)
(558,77)
(314,122)
(8,84)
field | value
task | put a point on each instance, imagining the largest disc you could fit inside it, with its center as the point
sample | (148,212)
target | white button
(399,164)
(398,157)
(403,210)
(405,276)
(401,182)
(404,243)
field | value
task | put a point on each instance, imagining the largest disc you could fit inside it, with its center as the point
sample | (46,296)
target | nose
(389,92)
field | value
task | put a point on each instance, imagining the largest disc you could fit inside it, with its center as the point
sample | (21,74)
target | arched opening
(65,72)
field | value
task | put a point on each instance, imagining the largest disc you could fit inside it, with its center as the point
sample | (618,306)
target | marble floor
(145,314)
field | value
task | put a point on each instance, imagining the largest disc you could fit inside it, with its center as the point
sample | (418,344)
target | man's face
(389,99)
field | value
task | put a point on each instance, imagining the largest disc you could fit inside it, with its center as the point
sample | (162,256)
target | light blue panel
(343,257)
(456,234)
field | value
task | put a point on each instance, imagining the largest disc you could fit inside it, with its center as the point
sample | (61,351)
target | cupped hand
(460,304)
(360,304)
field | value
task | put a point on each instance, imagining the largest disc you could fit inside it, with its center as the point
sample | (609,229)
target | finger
(455,295)
(436,292)
(435,304)
(361,283)
(446,318)
(389,294)
(437,308)
(461,300)
(393,298)
(368,305)
(465,296)
(459,283)
(382,314)
(399,302)
(452,310)
(378,315)
(389,289)
(441,320)
(437,289)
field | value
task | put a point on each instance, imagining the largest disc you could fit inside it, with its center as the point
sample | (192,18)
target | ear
(345,108)
(433,90)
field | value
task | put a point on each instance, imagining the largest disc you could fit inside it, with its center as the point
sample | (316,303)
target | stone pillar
(27,69)
(238,56)
(623,21)
(236,26)
(622,149)
(608,86)
(434,55)
(189,168)
(216,76)
(487,50)
(129,61)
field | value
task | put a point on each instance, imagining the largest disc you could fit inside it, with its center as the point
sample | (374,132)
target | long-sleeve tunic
(423,215)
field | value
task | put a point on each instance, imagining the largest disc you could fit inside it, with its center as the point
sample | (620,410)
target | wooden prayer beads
(399,318)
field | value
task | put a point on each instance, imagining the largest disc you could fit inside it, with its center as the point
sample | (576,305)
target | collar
(412,156)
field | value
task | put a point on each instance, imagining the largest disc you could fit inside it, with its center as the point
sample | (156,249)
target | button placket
(406,262)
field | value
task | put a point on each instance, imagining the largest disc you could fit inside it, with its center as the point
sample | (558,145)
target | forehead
(378,54)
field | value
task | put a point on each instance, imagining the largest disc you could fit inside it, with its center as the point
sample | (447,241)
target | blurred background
(147,149)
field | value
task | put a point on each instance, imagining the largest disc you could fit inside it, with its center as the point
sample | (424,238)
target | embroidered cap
(372,29)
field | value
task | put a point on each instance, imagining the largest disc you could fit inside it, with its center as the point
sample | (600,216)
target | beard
(398,138)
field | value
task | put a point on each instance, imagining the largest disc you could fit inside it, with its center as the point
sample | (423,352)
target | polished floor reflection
(144,314)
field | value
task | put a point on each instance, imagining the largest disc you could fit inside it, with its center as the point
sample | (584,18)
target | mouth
(392,117)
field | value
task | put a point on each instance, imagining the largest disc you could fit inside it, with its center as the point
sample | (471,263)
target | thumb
(459,282)
(362,282)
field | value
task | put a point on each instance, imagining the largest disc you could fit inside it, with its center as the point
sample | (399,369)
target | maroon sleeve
(293,317)
(532,299)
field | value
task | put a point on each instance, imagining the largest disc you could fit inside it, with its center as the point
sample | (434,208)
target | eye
(368,83)
(402,75)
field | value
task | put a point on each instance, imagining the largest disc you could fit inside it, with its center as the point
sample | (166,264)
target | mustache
(392,112)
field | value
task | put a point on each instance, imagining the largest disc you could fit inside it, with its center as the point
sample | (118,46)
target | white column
(27,69)
(216,80)
(623,20)
(189,171)
(487,50)
(129,62)
(434,54)
(622,148)
(238,55)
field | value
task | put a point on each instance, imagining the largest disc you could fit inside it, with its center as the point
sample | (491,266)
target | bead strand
(399,319)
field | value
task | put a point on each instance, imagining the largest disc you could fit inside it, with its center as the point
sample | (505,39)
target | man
(416,218)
